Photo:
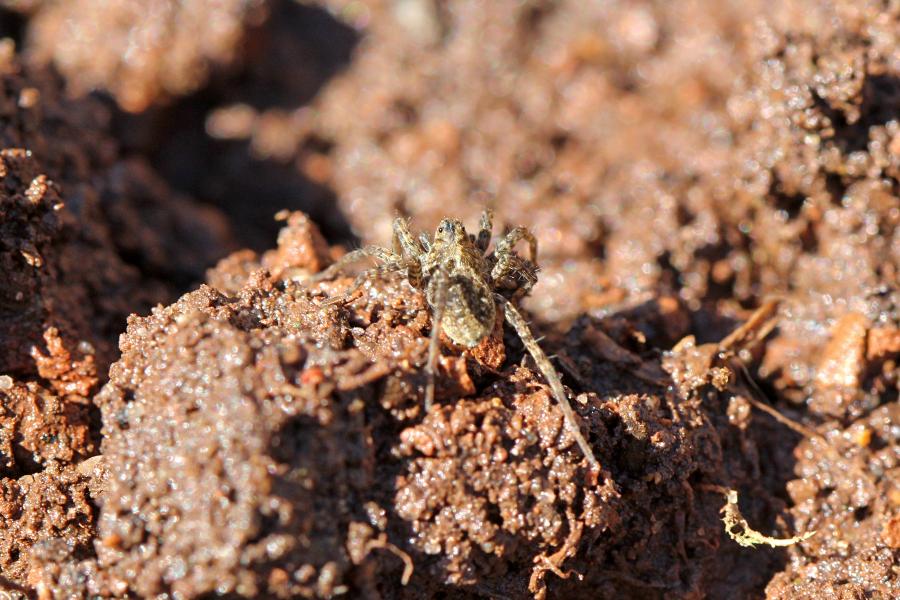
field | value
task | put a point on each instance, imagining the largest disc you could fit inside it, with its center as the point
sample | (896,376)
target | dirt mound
(683,166)
(169,54)
(232,422)
(72,267)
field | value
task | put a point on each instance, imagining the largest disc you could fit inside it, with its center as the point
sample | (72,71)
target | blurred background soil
(681,164)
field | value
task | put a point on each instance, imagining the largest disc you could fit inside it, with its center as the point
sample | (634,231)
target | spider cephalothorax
(465,287)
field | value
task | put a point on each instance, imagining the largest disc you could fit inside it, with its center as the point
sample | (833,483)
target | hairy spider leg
(403,241)
(485,230)
(515,318)
(366,275)
(376,252)
(389,262)
(425,241)
(504,252)
(438,303)
(516,270)
(405,244)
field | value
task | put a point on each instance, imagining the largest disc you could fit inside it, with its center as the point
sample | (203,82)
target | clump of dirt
(819,140)
(37,249)
(681,164)
(78,253)
(74,217)
(847,489)
(37,511)
(117,209)
(847,492)
(554,120)
(238,497)
(140,53)
(40,425)
(266,442)
(231,424)
(301,251)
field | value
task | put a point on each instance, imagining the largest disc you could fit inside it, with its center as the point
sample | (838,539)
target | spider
(465,287)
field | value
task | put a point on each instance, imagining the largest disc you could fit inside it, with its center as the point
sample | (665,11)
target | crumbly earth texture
(140,52)
(680,163)
(265,442)
(85,238)
(88,236)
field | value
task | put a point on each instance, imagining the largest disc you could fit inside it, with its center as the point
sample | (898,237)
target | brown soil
(142,53)
(682,164)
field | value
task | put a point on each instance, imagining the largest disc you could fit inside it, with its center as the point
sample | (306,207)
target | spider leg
(485,228)
(426,243)
(406,245)
(376,252)
(388,259)
(438,302)
(403,241)
(518,272)
(515,318)
(505,251)
(361,279)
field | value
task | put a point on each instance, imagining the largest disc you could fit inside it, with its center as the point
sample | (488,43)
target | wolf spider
(465,287)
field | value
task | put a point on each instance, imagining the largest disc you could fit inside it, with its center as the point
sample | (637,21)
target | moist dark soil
(714,190)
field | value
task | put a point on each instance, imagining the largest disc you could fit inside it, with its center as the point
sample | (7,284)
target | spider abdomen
(470,311)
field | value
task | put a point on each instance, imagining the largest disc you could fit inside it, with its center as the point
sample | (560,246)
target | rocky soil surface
(714,189)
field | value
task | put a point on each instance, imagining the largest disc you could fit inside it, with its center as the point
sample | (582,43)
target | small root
(549,566)
(755,329)
(381,543)
(771,411)
(738,529)
(553,562)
